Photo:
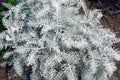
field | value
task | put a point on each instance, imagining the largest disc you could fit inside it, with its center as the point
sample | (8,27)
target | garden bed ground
(107,22)
(3,75)
(114,25)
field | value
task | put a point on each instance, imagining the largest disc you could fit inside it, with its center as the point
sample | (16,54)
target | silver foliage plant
(51,41)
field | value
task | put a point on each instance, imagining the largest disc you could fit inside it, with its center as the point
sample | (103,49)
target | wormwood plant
(50,41)
(2,28)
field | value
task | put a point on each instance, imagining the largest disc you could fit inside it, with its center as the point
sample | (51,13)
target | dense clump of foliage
(109,7)
(50,41)
(3,9)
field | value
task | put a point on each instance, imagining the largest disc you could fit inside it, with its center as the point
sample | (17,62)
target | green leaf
(2,8)
(1,17)
(11,2)
(2,53)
